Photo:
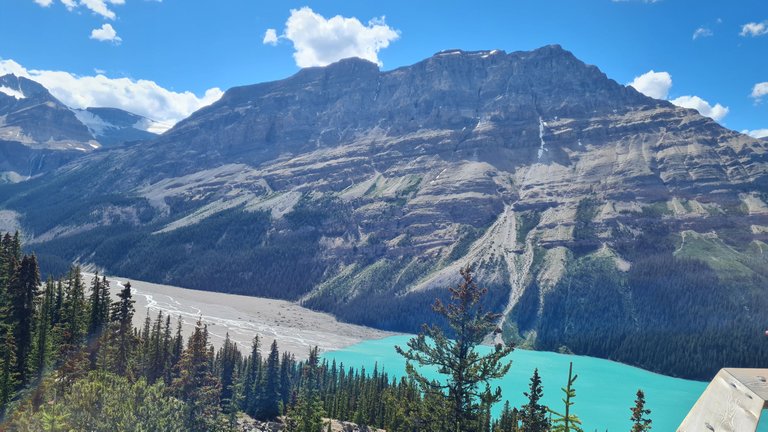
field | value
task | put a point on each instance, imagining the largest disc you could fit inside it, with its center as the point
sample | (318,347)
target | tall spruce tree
(74,309)
(641,421)
(534,415)
(122,340)
(286,383)
(41,351)
(270,398)
(98,313)
(458,358)
(24,291)
(252,381)
(167,346)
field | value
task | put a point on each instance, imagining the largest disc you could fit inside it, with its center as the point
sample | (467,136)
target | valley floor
(295,328)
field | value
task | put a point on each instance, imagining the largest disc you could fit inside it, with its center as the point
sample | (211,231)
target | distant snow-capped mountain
(39,133)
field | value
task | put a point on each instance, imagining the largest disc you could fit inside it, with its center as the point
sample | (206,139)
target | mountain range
(38,133)
(602,221)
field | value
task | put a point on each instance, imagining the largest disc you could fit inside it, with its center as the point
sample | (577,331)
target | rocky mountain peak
(23,88)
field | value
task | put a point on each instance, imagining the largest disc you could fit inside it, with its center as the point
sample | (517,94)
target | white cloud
(100,7)
(657,84)
(702,32)
(754,29)
(716,112)
(319,41)
(142,97)
(653,84)
(757,133)
(106,34)
(270,37)
(760,90)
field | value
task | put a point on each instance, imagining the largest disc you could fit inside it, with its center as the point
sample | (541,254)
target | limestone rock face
(516,162)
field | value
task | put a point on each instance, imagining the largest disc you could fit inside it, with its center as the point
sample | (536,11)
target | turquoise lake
(605,390)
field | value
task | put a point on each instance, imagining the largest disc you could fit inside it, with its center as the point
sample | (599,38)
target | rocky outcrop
(247,424)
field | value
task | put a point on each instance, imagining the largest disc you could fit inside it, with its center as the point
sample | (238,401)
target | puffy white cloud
(760,90)
(754,29)
(319,41)
(716,112)
(653,84)
(757,133)
(44,3)
(702,32)
(657,84)
(106,33)
(270,37)
(100,7)
(143,97)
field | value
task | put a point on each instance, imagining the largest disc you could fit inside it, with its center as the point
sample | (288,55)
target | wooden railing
(732,402)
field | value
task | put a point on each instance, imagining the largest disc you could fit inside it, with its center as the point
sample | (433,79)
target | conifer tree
(143,353)
(227,363)
(178,346)
(73,310)
(167,355)
(197,385)
(121,335)
(99,306)
(8,374)
(270,400)
(533,415)
(40,357)
(252,382)
(96,320)
(567,421)
(286,368)
(640,414)
(98,317)
(24,290)
(508,420)
(57,310)
(465,368)
(308,412)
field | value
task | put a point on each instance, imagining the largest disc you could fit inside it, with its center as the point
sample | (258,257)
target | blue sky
(159,58)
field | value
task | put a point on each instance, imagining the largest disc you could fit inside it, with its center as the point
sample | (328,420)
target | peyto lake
(605,390)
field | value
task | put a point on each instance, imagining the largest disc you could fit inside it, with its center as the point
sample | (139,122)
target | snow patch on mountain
(153,126)
(18,94)
(94,123)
